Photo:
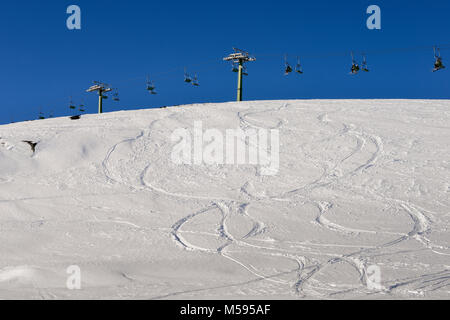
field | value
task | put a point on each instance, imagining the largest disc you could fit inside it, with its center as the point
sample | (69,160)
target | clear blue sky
(43,63)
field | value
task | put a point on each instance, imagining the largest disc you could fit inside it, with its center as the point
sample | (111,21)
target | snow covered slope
(362,190)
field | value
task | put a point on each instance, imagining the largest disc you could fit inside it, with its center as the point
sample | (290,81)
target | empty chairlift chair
(364,65)
(72,105)
(195,81)
(116,95)
(298,67)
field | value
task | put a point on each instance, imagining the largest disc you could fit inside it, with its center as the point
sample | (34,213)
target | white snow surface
(361,183)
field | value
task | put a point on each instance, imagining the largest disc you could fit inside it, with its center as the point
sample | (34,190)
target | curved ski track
(307,268)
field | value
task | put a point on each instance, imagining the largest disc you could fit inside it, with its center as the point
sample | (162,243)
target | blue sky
(43,63)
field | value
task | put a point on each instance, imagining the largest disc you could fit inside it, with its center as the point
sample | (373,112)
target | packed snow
(362,193)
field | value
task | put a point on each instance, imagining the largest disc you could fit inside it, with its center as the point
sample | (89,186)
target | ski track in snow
(254,237)
(420,221)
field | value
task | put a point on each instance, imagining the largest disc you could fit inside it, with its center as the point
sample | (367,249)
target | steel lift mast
(239,57)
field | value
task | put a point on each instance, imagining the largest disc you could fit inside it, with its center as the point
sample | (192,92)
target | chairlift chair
(364,65)
(116,95)
(195,81)
(151,89)
(298,67)
(355,67)
(187,77)
(288,68)
(72,105)
(150,86)
(438,64)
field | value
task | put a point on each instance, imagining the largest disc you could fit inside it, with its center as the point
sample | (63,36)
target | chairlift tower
(101,88)
(240,57)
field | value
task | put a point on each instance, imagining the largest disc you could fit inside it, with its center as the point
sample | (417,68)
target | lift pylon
(101,88)
(239,57)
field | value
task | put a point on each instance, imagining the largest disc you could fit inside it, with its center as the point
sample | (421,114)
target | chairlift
(438,64)
(288,68)
(364,65)
(116,95)
(187,77)
(245,72)
(355,67)
(72,105)
(298,67)
(150,86)
(195,81)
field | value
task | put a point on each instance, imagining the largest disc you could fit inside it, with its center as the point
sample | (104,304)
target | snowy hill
(361,192)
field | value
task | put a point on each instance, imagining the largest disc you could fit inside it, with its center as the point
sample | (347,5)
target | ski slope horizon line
(228,102)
